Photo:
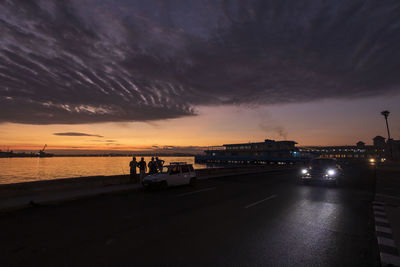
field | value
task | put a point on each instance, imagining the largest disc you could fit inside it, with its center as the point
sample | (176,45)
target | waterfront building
(360,145)
(360,151)
(379,141)
(271,151)
(268,151)
(393,150)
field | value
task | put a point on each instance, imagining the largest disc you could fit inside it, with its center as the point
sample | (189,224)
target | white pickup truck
(177,173)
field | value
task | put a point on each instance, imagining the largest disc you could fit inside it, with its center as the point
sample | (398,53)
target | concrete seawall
(19,195)
(57,185)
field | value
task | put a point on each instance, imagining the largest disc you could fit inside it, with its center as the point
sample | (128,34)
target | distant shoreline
(100,155)
(130,155)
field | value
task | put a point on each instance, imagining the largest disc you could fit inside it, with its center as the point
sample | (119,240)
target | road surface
(255,220)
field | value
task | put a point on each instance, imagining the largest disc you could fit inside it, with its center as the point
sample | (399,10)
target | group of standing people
(155,166)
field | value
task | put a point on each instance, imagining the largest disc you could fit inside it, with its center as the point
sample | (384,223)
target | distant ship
(42,154)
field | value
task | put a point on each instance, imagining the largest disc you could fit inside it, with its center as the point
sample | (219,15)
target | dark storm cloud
(77,134)
(95,61)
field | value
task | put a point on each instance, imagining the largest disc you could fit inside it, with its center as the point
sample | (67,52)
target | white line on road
(386,241)
(383,229)
(377,212)
(198,191)
(382,220)
(389,259)
(387,196)
(260,201)
(378,208)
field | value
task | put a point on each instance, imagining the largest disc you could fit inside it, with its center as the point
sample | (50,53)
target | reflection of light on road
(318,207)
(325,214)
(310,224)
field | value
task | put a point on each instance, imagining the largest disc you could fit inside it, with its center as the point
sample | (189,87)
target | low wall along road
(19,195)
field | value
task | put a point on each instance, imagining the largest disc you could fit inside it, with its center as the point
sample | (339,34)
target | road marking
(383,229)
(386,241)
(378,208)
(388,251)
(390,259)
(382,213)
(260,201)
(388,196)
(198,191)
(382,220)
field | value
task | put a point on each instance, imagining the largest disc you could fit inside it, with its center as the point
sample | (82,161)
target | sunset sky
(181,75)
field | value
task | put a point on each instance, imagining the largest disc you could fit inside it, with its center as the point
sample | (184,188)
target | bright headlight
(331,172)
(304,171)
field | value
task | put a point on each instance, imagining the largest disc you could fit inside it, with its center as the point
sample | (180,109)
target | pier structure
(267,152)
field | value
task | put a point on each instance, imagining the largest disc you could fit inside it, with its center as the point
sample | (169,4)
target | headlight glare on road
(331,172)
(304,171)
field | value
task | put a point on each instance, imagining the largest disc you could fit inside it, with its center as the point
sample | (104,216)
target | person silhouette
(152,166)
(142,168)
(160,164)
(133,165)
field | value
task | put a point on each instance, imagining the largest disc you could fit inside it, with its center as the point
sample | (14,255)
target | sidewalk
(20,202)
(388,193)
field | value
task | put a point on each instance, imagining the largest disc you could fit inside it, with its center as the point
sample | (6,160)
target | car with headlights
(177,173)
(325,170)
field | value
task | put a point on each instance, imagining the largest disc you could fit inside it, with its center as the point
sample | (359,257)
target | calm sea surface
(16,170)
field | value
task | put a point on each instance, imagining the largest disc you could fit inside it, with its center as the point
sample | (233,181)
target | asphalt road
(254,220)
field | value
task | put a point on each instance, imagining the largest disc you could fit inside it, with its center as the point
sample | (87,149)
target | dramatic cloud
(78,134)
(100,60)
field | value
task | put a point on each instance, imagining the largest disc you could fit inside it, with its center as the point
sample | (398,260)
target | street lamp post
(385,114)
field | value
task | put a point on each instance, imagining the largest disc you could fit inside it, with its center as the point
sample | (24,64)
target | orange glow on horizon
(36,148)
(314,124)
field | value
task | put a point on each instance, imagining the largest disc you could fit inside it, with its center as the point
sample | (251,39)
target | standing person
(152,166)
(133,165)
(143,169)
(160,164)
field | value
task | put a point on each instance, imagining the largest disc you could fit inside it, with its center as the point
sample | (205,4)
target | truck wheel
(193,181)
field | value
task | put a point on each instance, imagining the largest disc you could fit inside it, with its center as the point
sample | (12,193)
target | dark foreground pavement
(259,219)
